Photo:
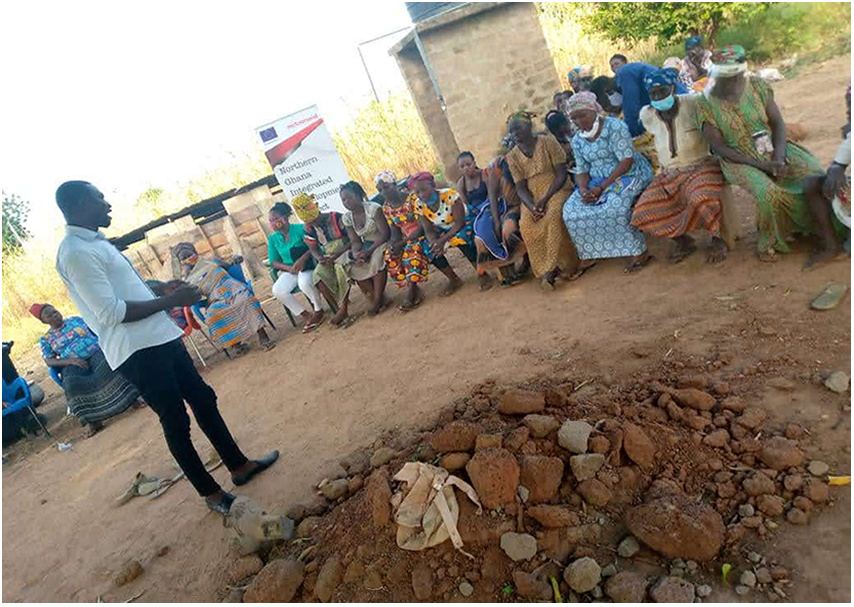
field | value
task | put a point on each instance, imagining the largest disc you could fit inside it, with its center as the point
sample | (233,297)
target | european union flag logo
(268,134)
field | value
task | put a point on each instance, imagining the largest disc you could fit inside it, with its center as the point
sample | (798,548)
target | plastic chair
(55,375)
(193,325)
(16,403)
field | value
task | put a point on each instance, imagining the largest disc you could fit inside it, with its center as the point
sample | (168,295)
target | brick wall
(488,63)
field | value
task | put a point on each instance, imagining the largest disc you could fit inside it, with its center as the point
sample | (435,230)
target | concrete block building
(469,67)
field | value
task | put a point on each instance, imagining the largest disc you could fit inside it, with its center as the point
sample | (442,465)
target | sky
(132,95)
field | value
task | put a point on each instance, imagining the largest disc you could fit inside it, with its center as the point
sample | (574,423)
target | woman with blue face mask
(686,194)
(610,175)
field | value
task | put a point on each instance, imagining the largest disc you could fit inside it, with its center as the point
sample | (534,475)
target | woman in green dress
(746,131)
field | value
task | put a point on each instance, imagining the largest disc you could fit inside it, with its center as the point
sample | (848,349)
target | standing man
(141,342)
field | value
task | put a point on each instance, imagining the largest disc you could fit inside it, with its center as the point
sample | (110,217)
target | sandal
(582,269)
(268,345)
(830,297)
(348,320)
(408,306)
(638,265)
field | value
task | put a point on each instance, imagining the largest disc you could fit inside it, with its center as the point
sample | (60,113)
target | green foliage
(15,213)
(507,589)
(668,22)
(153,201)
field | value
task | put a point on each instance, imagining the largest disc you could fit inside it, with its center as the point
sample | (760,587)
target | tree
(15,213)
(668,21)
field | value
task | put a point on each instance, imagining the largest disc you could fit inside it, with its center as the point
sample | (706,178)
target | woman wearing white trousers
(290,258)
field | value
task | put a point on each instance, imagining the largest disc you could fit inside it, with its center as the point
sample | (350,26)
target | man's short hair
(622,58)
(70,193)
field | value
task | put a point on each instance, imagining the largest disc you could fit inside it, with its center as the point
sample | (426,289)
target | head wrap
(693,42)
(521,115)
(729,61)
(385,177)
(36,310)
(305,207)
(674,62)
(182,247)
(585,100)
(422,176)
(664,77)
(579,73)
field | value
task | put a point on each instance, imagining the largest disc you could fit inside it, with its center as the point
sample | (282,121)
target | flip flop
(269,345)
(830,297)
(313,325)
(404,307)
(345,323)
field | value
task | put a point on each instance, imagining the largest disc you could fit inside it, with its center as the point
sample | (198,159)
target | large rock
(330,577)
(455,461)
(639,447)
(519,546)
(780,453)
(626,587)
(594,492)
(553,516)
(541,425)
(494,473)
(519,402)
(530,587)
(277,582)
(541,476)
(677,526)
(586,465)
(422,581)
(573,436)
(583,574)
(837,382)
(378,496)
(456,436)
(672,589)
(758,484)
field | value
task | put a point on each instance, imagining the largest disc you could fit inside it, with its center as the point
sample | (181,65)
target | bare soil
(319,397)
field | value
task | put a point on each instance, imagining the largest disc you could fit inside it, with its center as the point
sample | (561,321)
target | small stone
(454,461)
(745,511)
(519,546)
(355,483)
(818,468)
(598,444)
(277,582)
(515,402)
(770,505)
(703,590)
(466,589)
(639,447)
(626,587)
(754,557)
(628,547)
(332,490)
(691,565)
(817,491)
(132,570)
(793,482)
(758,484)
(672,590)
(794,431)
(330,577)
(541,425)
(553,516)
(796,516)
(779,573)
(586,466)
(583,574)
(802,503)
(748,578)
(782,384)
(718,438)
(422,581)
(741,590)
(677,572)
(573,436)
(382,456)
(487,441)
(837,382)
(595,492)
(763,575)
(609,570)
(245,567)
(597,593)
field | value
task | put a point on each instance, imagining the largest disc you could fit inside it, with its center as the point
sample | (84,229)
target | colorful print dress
(411,266)
(442,217)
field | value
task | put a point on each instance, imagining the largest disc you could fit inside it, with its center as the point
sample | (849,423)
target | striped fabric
(233,314)
(97,393)
(678,202)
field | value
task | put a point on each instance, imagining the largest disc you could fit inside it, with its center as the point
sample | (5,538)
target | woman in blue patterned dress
(611,174)
(93,391)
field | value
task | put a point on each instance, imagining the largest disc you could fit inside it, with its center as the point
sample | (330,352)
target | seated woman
(686,195)
(745,129)
(696,66)
(329,244)
(538,166)
(233,313)
(368,234)
(611,100)
(292,265)
(445,222)
(580,78)
(830,197)
(611,174)
(94,392)
(560,127)
(494,222)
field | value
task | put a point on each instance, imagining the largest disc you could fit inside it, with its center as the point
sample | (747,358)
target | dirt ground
(318,397)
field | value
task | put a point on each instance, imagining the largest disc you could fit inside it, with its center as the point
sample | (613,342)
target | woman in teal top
(292,265)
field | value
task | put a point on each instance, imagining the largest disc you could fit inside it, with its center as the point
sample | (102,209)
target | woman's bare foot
(717,251)
(638,262)
(683,246)
(340,316)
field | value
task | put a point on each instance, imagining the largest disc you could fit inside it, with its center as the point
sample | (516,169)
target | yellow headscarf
(305,207)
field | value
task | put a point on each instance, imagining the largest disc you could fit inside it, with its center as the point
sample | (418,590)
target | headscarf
(585,100)
(385,177)
(184,247)
(422,176)
(579,73)
(729,61)
(521,115)
(305,207)
(664,77)
(693,42)
(36,309)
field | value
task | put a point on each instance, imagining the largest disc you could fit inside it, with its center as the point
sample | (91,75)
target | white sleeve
(843,154)
(86,271)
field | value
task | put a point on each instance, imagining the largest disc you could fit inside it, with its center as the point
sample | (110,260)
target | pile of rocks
(561,473)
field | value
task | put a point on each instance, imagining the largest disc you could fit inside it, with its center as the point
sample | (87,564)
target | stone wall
(489,59)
